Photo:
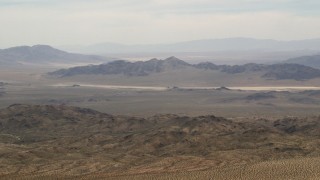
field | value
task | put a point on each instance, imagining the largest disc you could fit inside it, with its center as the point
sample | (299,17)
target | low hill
(75,141)
(43,54)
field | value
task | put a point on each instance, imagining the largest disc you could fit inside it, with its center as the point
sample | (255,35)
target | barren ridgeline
(60,141)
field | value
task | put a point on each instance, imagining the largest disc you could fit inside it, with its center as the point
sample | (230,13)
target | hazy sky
(84,22)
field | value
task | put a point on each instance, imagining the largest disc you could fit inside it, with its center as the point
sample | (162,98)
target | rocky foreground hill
(145,68)
(71,141)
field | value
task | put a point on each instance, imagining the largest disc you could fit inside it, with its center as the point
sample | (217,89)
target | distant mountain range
(206,45)
(312,61)
(145,68)
(43,54)
(140,68)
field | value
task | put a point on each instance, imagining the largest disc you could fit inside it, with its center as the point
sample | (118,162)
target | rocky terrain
(145,68)
(71,141)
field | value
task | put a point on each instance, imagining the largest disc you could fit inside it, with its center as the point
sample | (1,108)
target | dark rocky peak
(242,68)
(173,62)
(255,67)
(291,71)
(173,59)
(118,63)
(207,66)
(153,60)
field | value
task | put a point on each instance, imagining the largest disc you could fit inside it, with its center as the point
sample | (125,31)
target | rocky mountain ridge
(145,68)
